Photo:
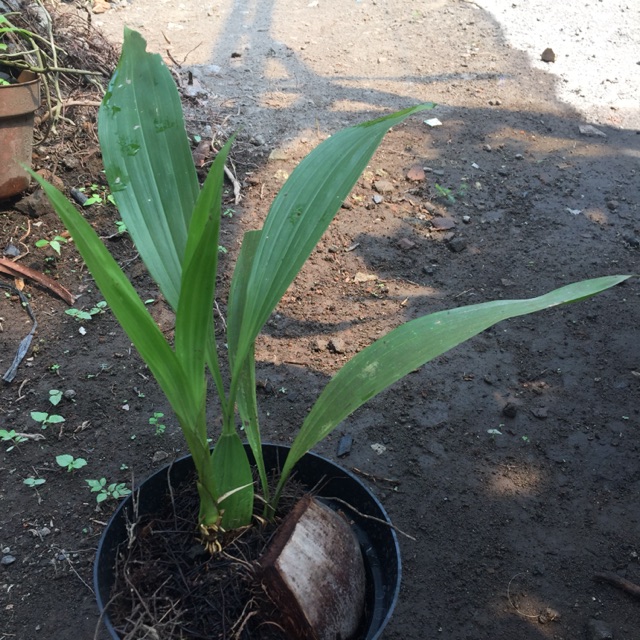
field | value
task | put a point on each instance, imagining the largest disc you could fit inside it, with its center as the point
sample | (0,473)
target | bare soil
(514,461)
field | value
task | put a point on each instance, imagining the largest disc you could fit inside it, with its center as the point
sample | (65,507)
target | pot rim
(392,595)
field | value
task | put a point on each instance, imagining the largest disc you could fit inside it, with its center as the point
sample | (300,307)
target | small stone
(34,205)
(377,198)
(7,560)
(443,223)
(416,173)
(486,147)
(599,630)
(383,186)
(6,550)
(591,131)
(278,154)
(378,448)
(257,141)
(159,456)
(548,55)
(333,248)
(457,244)
(406,244)
(236,54)
(540,412)
(337,345)
(510,410)
(502,171)
(347,205)
(69,394)
(11,251)
(466,219)
(320,344)
(519,156)
(612,205)
(344,446)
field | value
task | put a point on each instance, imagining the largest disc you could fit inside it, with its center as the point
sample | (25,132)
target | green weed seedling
(97,195)
(99,307)
(115,490)
(55,244)
(70,463)
(11,436)
(154,421)
(45,419)
(449,194)
(33,482)
(55,395)
(121,226)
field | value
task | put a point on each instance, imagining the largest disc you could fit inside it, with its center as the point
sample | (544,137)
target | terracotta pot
(18,103)
(378,541)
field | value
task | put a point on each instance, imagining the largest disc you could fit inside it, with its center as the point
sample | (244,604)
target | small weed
(222,249)
(46,419)
(115,490)
(54,368)
(124,467)
(11,436)
(121,226)
(33,482)
(449,194)
(228,213)
(97,195)
(154,421)
(99,307)
(70,463)
(55,244)
(55,395)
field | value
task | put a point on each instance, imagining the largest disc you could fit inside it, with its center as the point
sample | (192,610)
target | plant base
(376,539)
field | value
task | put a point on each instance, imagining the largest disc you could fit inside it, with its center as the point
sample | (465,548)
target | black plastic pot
(378,541)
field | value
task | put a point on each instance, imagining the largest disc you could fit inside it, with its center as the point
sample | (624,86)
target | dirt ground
(514,461)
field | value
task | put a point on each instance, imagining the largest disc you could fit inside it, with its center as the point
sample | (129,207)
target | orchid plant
(175,225)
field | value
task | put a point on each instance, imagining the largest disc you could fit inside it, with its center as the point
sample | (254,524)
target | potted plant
(19,100)
(175,226)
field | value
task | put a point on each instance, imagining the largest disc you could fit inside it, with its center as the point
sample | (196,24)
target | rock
(337,345)
(466,219)
(377,198)
(320,344)
(591,131)
(378,448)
(599,630)
(34,205)
(347,205)
(406,244)
(278,154)
(510,410)
(364,277)
(457,244)
(540,412)
(11,251)
(486,147)
(70,162)
(383,186)
(416,173)
(159,456)
(548,55)
(344,446)
(612,205)
(7,560)
(69,394)
(443,223)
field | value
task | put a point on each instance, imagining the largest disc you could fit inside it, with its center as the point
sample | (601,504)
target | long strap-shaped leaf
(301,213)
(127,307)
(410,346)
(148,161)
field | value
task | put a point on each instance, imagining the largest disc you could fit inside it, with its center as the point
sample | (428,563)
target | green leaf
(64,460)
(127,307)
(302,211)
(39,416)
(246,398)
(410,346)
(54,419)
(148,161)
(232,471)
